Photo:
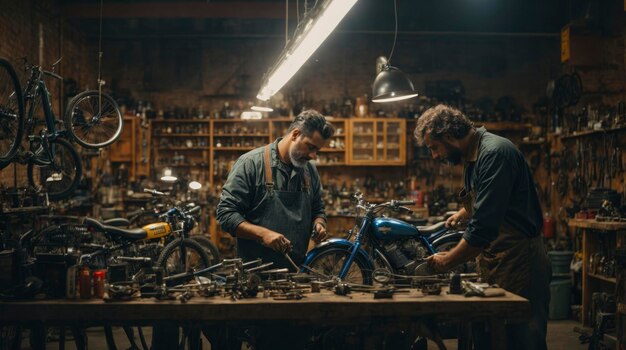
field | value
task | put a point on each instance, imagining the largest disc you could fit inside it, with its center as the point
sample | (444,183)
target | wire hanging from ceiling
(395,32)
(100,81)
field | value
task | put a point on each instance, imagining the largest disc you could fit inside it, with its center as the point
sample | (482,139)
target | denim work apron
(519,264)
(285,212)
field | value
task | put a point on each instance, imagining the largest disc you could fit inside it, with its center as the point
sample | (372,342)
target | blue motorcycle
(381,243)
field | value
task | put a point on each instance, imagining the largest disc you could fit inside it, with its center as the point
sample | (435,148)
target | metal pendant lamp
(391,84)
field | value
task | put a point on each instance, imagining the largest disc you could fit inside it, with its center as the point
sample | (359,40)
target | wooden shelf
(177,165)
(183,148)
(332,150)
(597,225)
(241,135)
(181,121)
(241,120)
(182,135)
(504,126)
(578,134)
(234,148)
(329,164)
(603,278)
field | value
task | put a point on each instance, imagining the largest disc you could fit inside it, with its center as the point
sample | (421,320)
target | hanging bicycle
(92,119)
(11,111)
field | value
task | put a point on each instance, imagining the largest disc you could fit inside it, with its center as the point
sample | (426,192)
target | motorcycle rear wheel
(330,261)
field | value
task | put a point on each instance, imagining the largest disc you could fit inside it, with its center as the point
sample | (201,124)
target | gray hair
(310,121)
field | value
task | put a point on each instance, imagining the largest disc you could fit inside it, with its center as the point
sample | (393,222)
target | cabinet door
(377,142)
(334,153)
(363,141)
(394,141)
(380,142)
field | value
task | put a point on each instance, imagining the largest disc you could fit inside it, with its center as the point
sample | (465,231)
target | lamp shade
(168,175)
(391,84)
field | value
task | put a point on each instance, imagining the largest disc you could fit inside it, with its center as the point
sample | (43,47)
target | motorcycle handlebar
(153,192)
(135,213)
(398,202)
(194,210)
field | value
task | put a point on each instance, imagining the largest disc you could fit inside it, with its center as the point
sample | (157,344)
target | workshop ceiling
(126,18)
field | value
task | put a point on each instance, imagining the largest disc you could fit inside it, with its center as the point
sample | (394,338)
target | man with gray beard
(272,200)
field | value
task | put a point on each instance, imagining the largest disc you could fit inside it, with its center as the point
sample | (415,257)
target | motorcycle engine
(405,255)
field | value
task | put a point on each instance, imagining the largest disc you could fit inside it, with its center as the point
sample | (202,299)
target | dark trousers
(529,335)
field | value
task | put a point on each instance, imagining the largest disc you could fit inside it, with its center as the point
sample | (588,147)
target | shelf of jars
(181,144)
(377,142)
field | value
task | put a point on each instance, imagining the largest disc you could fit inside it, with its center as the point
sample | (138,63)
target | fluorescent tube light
(316,27)
(262,108)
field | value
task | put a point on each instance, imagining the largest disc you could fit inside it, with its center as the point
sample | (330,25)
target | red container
(85,283)
(98,283)
(548,226)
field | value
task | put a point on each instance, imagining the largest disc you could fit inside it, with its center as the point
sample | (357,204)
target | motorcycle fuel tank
(389,228)
(157,230)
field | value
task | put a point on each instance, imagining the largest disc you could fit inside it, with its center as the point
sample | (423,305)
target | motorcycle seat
(133,233)
(428,230)
(117,222)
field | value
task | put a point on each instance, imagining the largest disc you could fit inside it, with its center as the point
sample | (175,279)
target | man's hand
(438,261)
(276,241)
(319,232)
(456,218)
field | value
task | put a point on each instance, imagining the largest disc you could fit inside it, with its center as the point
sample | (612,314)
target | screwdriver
(291,261)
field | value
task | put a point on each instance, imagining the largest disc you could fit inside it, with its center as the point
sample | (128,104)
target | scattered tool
(291,261)
(482,289)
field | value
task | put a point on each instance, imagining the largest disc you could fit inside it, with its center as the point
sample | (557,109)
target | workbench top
(314,306)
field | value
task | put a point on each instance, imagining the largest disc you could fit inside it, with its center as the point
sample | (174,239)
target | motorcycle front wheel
(182,255)
(330,261)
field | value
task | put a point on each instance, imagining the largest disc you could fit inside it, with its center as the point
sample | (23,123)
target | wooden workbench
(317,309)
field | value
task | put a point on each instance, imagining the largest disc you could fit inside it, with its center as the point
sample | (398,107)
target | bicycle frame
(36,87)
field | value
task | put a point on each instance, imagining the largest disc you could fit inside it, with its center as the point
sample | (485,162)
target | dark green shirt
(497,172)
(244,189)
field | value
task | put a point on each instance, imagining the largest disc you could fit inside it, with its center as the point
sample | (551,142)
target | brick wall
(194,72)
(37,30)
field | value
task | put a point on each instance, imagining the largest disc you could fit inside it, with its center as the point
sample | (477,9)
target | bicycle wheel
(60,177)
(93,119)
(182,255)
(330,261)
(11,112)
(209,247)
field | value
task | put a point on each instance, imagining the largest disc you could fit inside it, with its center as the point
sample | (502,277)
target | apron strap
(306,179)
(269,184)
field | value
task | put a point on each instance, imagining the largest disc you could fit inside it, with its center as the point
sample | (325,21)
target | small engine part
(455,284)
(432,289)
(396,256)
(342,289)
(384,294)
(316,287)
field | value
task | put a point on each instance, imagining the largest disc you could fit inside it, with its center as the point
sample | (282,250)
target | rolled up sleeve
(236,197)
(495,179)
